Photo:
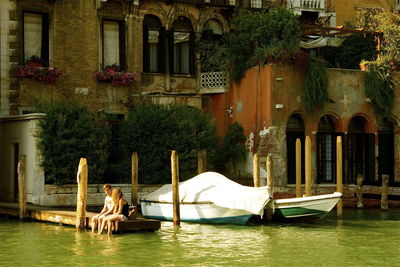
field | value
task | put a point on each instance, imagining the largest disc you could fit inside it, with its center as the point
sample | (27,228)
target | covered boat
(208,197)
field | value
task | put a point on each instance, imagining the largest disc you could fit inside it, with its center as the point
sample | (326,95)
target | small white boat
(208,197)
(305,208)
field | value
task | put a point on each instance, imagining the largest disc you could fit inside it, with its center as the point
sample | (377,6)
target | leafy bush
(260,37)
(154,131)
(67,133)
(353,50)
(315,92)
(212,56)
(233,149)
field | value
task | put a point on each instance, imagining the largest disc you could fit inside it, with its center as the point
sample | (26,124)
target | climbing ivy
(315,92)
(379,87)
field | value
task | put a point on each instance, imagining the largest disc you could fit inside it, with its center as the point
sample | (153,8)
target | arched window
(153,45)
(181,47)
(326,150)
(294,131)
(212,30)
(361,152)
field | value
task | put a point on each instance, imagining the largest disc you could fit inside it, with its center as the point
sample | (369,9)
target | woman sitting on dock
(107,209)
(121,211)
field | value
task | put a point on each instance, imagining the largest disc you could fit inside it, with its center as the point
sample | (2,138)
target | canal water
(362,238)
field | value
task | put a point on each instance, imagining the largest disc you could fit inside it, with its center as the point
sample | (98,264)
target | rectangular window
(181,52)
(256,3)
(36,37)
(153,50)
(113,43)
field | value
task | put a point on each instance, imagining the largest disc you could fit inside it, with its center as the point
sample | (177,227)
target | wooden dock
(65,217)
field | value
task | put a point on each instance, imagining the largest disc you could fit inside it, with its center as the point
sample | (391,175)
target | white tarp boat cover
(216,188)
(321,42)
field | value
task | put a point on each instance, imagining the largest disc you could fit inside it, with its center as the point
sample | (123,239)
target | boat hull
(305,208)
(200,213)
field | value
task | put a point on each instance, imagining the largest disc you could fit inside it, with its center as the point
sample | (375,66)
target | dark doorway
(294,130)
(15,168)
(386,151)
(361,153)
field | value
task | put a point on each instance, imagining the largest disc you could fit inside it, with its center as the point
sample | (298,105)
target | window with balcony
(36,37)
(153,45)
(113,43)
(181,47)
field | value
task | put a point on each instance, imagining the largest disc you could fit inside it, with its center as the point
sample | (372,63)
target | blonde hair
(116,196)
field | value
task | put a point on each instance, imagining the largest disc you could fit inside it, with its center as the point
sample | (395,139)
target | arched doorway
(386,149)
(361,152)
(326,150)
(294,129)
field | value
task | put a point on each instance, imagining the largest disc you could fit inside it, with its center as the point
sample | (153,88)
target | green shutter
(45,39)
(170,35)
(146,57)
(192,55)
(122,47)
(161,50)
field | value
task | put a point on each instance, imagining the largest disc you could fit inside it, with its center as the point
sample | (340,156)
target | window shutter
(192,56)
(369,162)
(161,50)
(122,58)
(45,39)
(146,56)
(170,35)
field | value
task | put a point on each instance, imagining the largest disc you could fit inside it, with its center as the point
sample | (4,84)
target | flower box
(36,72)
(115,76)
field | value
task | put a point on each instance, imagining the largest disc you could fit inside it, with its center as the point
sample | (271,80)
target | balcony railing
(209,2)
(307,4)
(214,82)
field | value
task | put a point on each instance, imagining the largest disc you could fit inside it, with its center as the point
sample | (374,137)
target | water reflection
(359,239)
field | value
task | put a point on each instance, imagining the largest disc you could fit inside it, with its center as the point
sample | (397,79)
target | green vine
(379,87)
(315,92)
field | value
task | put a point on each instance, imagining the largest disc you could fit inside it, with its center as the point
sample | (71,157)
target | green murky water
(362,238)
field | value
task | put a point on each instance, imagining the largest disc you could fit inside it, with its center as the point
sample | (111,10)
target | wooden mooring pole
(175,187)
(201,161)
(308,166)
(256,170)
(298,167)
(359,192)
(385,191)
(22,186)
(82,178)
(134,178)
(339,178)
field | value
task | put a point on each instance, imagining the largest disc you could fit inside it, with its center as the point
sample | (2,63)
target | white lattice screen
(214,80)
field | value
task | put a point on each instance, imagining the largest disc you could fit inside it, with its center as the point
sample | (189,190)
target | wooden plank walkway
(57,215)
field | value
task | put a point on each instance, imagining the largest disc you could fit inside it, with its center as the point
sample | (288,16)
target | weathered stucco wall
(20,130)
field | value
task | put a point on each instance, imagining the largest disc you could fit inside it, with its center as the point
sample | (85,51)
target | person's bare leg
(110,226)
(102,225)
(94,224)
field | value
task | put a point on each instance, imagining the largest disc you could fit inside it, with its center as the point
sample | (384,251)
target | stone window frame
(122,42)
(45,42)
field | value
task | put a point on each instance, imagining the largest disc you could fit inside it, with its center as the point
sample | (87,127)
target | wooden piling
(134,178)
(270,175)
(359,192)
(201,161)
(82,177)
(308,166)
(175,188)
(22,186)
(256,170)
(298,167)
(385,191)
(339,178)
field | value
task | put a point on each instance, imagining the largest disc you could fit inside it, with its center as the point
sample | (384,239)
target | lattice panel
(214,80)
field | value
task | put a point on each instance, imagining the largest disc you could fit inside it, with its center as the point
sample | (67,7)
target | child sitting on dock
(121,211)
(107,208)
